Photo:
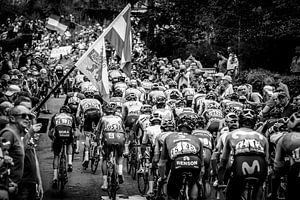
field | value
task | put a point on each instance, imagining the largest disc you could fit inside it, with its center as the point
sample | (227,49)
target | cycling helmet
(187,119)
(234,97)
(174,95)
(161,100)
(146,108)
(133,83)
(247,118)
(155,86)
(155,118)
(181,102)
(109,108)
(231,120)
(172,84)
(201,122)
(294,121)
(168,125)
(212,96)
(213,105)
(89,94)
(65,109)
(131,97)
(118,93)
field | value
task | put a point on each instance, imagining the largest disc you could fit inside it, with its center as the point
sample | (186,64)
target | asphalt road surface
(82,184)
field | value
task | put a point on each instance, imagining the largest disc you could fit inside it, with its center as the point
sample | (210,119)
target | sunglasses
(25,115)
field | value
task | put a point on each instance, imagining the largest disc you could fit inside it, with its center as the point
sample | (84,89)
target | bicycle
(62,166)
(112,176)
(91,136)
(249,188)
(143,178)
(131,161)
(95,153)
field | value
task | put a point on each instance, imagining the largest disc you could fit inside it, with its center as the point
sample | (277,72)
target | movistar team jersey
(111,123)
(179,144)
(131,109)
(245,141)
(89,104)
(205,137)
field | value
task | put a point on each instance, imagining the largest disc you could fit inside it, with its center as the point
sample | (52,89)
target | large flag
(119,35)
(93,65)
(54,24)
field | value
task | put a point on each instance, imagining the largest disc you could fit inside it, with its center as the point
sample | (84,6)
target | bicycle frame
(113,184)
(62,169)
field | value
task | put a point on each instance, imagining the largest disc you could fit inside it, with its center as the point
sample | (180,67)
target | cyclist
(62,123)
(133,88)
(188,93)
(164,110)
(174,96)
(172,87)
(250,156)
(111,130)
(149,140)
(289,145)
(210,98)
(154,93)
(121,85)
(184,153)
(72,101)
(131,110)
(213,115)
(90,109)
(208,144)
(180,105)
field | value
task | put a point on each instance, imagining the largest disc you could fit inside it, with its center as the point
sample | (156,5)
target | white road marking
(121,197)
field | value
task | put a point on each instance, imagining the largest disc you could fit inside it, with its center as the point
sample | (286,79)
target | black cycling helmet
(65,109)
(247,118)
(187,119)
(168,125)
(118,93)
(146,108)
(174,95)
(131,97)
(155,118)
(161,100)
(109,108)
(89,94)
(212,96)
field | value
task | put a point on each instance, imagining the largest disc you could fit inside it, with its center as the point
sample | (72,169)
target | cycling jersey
(89,104)
(88,86)
(288,145)
(150,134)
(141,124)
(159,141)
(131,112)
(205,103)
(214,119)
(205,137)
(166,113)
(244,141)
(73,99)
(120,86)
(197,101)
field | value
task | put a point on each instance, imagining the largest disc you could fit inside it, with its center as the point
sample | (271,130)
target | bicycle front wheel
(112,186)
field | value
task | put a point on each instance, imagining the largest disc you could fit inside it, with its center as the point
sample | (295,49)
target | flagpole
(38,107)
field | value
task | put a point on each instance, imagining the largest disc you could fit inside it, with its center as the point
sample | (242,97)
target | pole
(38,107)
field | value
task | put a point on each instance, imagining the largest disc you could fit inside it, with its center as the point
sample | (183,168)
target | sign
(56,52)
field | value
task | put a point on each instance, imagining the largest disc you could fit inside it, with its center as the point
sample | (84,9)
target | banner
(56,52)
(93,65)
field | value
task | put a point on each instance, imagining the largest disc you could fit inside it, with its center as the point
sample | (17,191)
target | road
(82,184)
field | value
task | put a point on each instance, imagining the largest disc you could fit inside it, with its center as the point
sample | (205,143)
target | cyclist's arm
(51,128)
(156,150)
(279,156)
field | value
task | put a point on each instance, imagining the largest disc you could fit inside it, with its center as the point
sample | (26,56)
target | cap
(219,75)
(228,78)
(12,89)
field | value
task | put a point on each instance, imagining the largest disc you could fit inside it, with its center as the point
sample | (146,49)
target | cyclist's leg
(293,181)
(119,156)
(69,153)
(151,172)
(57,145)
(106,153)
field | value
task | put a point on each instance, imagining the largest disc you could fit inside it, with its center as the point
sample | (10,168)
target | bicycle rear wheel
(61,175)
(142,183)
(94,164)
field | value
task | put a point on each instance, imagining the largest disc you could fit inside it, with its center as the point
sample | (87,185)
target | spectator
(228,88)
(279,86)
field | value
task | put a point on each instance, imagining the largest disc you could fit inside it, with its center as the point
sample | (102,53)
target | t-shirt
(30,168)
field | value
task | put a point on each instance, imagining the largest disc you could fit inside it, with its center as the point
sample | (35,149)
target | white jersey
(150,134)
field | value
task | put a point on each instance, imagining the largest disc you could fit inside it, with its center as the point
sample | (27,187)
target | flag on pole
(93,65)
(119,35)
(54,24)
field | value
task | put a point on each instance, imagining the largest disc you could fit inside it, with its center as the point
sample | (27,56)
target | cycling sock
(120,169)
(150,186)
(70,159)
(55,174)
(86,156)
